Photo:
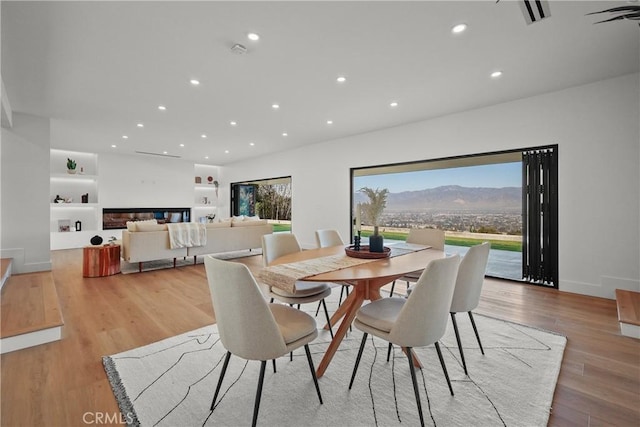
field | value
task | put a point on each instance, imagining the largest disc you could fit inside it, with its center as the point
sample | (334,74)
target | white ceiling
(99,68)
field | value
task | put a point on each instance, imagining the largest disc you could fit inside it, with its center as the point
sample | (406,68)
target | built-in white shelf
(205,191)
(74,186)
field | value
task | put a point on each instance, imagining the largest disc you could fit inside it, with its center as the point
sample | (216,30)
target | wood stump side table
(100,261)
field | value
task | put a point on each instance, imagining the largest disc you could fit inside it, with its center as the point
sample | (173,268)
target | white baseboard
(31,339)
(591,289)
(6,275)
(629,330)
(605,289)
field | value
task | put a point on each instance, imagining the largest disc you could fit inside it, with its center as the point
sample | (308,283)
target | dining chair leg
(412,369)
(318,309)
(274,365)
(326,313)
(256,406)
(473,323)
(393,285)
(313,371)
(271,301)
(444,367)
(342,291)
(455,329)
(389,351)
(355,368)
(224,371)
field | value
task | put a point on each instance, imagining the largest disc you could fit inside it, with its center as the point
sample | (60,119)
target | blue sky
(492,176)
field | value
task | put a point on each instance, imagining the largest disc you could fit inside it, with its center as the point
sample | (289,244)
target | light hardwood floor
(64,384)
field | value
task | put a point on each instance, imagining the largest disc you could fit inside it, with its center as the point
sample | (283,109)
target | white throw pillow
(133,225)
(147,226)
(250,223)
(219,224)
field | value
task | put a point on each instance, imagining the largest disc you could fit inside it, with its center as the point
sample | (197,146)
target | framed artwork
(64,225)
(245,200)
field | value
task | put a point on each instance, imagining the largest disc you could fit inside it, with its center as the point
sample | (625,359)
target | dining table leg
(350,311)
(365,290)
(342,310)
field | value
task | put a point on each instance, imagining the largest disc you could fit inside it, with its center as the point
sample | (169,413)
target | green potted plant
(71,166)
(372,213)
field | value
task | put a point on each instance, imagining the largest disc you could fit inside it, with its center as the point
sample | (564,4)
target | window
(267,198)
(473,199)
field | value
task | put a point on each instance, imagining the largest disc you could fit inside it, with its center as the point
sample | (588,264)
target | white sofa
(149,241)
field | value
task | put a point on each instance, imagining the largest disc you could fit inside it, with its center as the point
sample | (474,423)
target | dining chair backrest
(326,238)
(245,323)
(427,236)
(423,319)
(470,278)
(276,245)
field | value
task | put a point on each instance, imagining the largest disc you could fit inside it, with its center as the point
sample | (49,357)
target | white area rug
(132,267)
(171,382)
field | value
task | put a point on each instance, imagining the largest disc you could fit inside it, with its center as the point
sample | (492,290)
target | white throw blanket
(187,235)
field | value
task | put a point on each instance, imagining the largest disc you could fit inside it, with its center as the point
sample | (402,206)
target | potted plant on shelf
(372,213)
(71,166)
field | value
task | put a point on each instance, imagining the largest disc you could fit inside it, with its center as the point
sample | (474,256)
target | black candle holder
(356,242)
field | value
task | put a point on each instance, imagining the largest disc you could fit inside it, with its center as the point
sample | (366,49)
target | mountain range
(452,197)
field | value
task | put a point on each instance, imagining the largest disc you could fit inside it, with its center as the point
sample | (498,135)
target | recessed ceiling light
(275,106)
(165,152)
(140,125)
(226,151)
(232,123)
(194,82)
(113,145)
(329,122)
(206,157)
(460,28)
(252,144)
(341,79)
(162,107)
(253,37)
(393,104)
(203,136)
(285,134)
(181,145)
(125,137)
(496,74)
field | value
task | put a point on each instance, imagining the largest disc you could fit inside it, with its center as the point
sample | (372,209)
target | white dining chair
(417,321)
(326,238)
(421,236)
(252,329)
(277,245)
(468,288)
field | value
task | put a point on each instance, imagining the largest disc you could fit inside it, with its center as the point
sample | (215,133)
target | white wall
(595,127)
(25,194)
(143,181)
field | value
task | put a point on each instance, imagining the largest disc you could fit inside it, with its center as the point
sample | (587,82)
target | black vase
(376,241)
(96,240)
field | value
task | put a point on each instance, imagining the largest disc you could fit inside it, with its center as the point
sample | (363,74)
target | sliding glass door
(540,216)
(482,197)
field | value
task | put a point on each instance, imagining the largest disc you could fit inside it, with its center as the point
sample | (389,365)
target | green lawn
(281,227)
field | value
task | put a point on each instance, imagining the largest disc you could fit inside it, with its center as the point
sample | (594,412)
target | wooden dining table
(366,278)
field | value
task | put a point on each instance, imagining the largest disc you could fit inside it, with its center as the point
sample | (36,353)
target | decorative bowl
(365,253)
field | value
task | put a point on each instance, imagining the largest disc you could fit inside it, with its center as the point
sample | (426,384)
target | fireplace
(116,218)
